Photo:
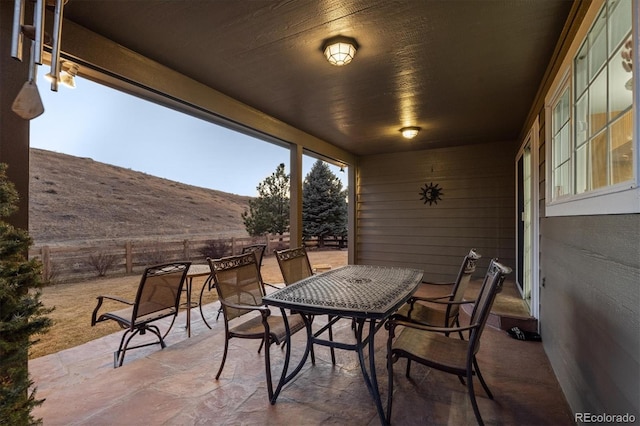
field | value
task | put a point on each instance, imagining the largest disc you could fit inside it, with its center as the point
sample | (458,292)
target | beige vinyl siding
(477,209)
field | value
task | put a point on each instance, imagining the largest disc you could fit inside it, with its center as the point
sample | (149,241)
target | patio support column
(295,203)
(14,131)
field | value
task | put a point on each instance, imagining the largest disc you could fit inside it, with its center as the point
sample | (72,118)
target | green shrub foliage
(22,314)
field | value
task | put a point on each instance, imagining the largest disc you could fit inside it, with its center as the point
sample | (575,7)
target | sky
(116,128)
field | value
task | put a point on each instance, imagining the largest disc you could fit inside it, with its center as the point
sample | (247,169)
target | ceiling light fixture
(340,50)
(410,132)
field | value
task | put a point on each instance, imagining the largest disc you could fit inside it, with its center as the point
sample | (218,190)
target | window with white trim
(593,150)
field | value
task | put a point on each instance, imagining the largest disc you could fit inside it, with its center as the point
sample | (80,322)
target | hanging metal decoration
(431,193)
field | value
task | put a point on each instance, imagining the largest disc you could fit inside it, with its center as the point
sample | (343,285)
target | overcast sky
(113,127)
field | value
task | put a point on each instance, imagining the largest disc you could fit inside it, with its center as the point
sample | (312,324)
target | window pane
(598,102)
(561,180)
(581,70)
(619,22)
(561,112)
(582,120)
(597,45)
(599,161)
(621,149)
(620,97)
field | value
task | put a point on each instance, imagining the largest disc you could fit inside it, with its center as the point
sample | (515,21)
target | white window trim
(617,199)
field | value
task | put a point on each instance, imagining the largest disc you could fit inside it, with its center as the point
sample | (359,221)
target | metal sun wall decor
(431,193)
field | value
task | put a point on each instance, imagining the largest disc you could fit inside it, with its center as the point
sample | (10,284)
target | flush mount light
(410,132)
(340,50)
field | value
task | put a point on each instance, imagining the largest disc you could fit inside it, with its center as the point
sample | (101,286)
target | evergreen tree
(21,313)
(269,213)
(324,204)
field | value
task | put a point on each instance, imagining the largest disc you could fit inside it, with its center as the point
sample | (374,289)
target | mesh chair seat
(254,327)
(433,348)
(424,314)
(123,316)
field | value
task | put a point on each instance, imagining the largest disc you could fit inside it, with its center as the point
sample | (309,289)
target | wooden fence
(66,263)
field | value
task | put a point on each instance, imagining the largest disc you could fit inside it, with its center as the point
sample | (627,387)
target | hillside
(75,199)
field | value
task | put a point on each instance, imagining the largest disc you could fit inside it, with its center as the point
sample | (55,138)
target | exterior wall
(590,310)
(590,301)
(396,228)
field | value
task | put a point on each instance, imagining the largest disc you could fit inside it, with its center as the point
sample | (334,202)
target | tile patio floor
(176,386)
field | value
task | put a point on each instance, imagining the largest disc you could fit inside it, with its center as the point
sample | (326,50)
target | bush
(216,249)
(102,262)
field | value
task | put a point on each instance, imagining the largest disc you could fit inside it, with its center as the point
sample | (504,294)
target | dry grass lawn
(74,302)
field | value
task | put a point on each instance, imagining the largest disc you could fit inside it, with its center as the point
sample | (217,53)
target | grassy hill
(75,199)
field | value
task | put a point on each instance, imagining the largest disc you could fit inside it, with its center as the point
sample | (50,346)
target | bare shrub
(102,262)
(154,255)
(216,249)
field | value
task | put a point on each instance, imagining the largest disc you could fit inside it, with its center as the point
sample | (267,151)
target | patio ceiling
(464,71)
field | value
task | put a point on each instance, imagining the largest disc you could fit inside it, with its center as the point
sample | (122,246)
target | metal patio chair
(240,290)
(158,297)
(295,266)
(443,310)
(431,346)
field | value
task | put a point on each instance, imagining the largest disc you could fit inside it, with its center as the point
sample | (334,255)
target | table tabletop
(359,291)
(198,271)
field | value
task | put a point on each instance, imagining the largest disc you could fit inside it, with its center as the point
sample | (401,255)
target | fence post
(128,257)
(46,263)
(185,249)
(233,246)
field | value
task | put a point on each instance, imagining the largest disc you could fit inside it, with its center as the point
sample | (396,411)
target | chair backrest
(238,281)
(294,264)
(491,286)
(159,290)
(258,249)
(467,269)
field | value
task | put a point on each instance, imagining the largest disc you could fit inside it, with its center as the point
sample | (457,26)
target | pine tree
(22,315)
(269,213)
(324,204)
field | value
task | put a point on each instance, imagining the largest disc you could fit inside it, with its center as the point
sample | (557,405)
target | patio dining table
(368,294)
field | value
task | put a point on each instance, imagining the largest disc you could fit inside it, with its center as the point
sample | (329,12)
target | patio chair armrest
(260,308)
(450,302)
(435,283)
(414,299)
(94,315)
(395,321)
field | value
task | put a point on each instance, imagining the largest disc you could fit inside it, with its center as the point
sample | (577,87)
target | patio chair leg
(408,372)
(267,367)
(472,396)
(484,384)
(224,355)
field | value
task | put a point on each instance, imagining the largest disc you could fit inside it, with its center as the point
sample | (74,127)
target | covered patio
(177,385)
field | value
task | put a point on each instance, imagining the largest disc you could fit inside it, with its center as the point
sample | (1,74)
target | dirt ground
(74,302)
